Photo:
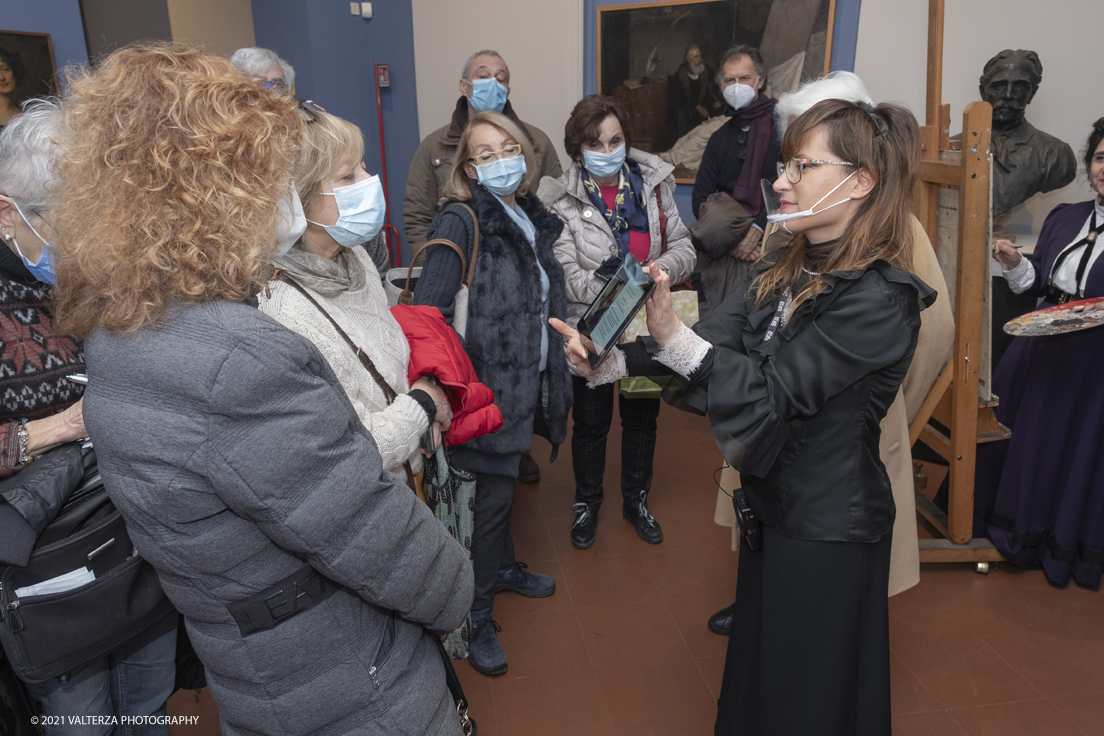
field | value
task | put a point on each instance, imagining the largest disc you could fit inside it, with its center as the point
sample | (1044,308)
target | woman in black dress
(795,377)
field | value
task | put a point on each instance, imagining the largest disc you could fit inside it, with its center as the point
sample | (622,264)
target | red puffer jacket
(436,350)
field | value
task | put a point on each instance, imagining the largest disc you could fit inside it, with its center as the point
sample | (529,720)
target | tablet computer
(609,316)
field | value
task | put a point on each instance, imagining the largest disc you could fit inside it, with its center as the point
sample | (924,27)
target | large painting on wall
(26,69)
(660,59)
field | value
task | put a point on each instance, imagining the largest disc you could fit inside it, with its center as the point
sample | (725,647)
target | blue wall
(60,18)
(333,53)
(843,57)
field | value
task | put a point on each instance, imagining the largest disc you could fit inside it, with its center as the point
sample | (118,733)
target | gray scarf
(321,275)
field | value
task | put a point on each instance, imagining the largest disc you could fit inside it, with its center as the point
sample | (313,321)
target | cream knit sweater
(365,317)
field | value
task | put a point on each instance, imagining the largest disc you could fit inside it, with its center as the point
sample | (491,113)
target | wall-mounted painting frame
(30,57)
(641,60)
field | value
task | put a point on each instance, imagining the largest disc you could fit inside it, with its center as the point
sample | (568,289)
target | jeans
(134,680)
(593,414)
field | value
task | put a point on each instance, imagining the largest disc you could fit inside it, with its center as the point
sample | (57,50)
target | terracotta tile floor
(622,647)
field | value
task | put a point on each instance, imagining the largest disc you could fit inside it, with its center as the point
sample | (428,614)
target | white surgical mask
(772,201)
(291,223)
(740,95)
(361,210)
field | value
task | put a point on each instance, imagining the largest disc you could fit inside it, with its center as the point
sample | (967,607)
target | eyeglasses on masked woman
(795,167)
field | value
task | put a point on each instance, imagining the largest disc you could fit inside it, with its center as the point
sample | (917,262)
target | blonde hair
(174,167)
(327,141)
(458,189)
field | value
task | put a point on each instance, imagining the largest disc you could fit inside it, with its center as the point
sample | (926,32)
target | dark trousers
(593,413)
(809,650)
(492,545)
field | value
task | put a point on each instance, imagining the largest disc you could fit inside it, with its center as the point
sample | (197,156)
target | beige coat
(432,166)
(933,350)
(587,240)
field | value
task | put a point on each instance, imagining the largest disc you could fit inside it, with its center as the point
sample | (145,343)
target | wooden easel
(954,398)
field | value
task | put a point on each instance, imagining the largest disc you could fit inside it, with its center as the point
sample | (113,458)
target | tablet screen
(609,316)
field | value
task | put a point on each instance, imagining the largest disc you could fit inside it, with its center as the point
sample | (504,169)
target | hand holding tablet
(585,352)
(602,325)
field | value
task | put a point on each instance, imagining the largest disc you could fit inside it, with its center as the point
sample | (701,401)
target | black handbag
(57,634)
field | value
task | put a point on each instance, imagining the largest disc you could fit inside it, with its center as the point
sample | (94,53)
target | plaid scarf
(629,212)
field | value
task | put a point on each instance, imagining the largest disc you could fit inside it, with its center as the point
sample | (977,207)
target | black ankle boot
(586,520)
(647,528)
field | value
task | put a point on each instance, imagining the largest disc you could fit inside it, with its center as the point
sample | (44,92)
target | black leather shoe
(582,531)
(647,528)
(721,621)
(528,470)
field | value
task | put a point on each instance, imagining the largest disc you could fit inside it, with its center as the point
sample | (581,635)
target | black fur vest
(504,324)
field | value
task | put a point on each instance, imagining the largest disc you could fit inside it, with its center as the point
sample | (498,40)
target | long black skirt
(809,649)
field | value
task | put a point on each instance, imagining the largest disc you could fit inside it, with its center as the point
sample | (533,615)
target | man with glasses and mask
(484,85)
(745,150)
(266,67)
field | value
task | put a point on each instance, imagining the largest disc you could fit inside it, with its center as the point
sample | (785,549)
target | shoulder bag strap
(407,295)
(363,356)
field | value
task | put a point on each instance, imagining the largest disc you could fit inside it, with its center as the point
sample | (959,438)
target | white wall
(220,26)
(540,40)
(891,58)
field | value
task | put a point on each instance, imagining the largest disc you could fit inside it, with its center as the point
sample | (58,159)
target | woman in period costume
(1040,494)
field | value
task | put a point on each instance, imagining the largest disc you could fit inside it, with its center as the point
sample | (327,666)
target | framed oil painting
(27,70)
(660,60)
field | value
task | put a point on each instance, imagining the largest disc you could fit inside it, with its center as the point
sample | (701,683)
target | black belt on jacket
(301,591)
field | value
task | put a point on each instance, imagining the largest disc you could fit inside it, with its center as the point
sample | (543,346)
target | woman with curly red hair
(310,579)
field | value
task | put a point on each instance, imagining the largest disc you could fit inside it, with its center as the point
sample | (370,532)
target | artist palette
(1068,317)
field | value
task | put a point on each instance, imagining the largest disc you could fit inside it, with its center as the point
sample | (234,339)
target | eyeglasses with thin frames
(795,167)
(277,84)
(491,156)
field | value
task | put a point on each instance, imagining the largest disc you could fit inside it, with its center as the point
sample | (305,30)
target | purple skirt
(1039,496)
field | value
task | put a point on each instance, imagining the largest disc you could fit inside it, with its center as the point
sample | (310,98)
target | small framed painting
(27,69)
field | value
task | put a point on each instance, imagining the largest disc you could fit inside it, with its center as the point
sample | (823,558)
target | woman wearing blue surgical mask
(41,409)
(613,199)
(518,285)
(344,208)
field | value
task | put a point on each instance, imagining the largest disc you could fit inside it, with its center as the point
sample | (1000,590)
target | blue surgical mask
(361,210)
(502,177)
(604,164)
(488,94)
(43,270)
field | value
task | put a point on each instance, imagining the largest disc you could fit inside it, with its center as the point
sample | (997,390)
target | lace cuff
(1021,277)
(684,352)
(611,370)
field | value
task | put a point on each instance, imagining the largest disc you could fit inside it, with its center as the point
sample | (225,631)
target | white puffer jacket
(587,240)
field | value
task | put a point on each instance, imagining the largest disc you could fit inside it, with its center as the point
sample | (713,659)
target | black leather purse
(57,634)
